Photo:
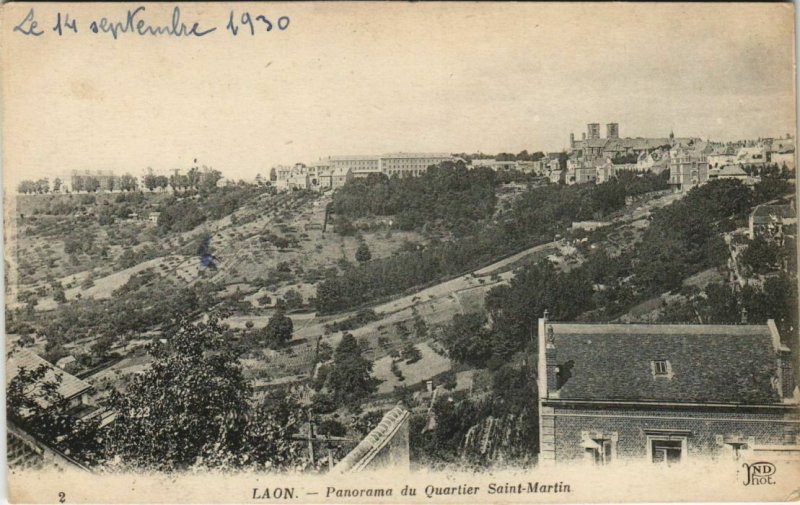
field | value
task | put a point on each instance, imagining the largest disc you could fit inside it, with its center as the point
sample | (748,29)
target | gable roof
(709,363)
(732,171)
(69,386)
(766,213)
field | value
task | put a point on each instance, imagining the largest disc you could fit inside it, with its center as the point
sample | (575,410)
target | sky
(369,78)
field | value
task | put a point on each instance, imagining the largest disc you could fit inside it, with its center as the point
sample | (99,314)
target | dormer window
(661,368)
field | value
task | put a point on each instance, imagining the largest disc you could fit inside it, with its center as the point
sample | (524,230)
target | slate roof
(417,155)
(594,142)
(782,146)
(709,363)
(770,213)
(356,157)
(732,171)
(69,386)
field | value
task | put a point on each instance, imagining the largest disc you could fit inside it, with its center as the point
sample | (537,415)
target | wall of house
(708,429)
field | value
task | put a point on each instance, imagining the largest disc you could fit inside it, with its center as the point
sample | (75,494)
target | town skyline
(460,86)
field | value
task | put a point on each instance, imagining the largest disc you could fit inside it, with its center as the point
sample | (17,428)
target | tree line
(195,179)
(683,239)
(535,217)
(447,194)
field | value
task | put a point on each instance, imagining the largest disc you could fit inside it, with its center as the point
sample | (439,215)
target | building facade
(773,223)
(410,164)
(495,165)
(612,130)
(664,394)
(688,166)
(359,166)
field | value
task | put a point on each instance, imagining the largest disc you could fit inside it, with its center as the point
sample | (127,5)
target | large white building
(390,164)
(360,166)
(410,164)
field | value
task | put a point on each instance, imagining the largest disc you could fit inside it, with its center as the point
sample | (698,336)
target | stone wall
(707,430)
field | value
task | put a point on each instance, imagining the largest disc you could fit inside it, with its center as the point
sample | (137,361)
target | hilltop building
(495,165)
(333,172)
(688,165)
(722,155)
(410,164)
(664,393)
(359,166)
(782,152)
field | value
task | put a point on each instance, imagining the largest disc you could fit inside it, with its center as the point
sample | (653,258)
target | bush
(411,354)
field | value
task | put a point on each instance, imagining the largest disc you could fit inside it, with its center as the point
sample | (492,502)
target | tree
(26,187)
(162,182)
(59,295)
(127,182)
(350,379)
(517,307)
(293,299)
(363,253)
(279,329)
(762,257)
(210,179)
(57,182)
(468,340)
(193,408)
(91,184)
(723,307)
(102,346)
(151,182)
(78,183)
(193,178)
(42,186)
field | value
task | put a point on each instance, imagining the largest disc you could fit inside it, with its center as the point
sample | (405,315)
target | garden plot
(430,364)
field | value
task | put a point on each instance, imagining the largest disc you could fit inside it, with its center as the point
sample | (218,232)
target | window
(666,451)
(667,447)
(736,449)
(600,447)
(661,368)
(600,454)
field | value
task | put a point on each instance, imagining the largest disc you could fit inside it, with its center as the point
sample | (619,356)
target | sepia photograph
(400,252)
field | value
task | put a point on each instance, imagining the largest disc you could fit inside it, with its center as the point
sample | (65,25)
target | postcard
(400,252)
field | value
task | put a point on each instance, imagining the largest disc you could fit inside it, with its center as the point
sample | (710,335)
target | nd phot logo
(759,474)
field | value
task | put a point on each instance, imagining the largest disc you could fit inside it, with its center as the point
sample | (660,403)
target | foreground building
(773,223)
(71,389)
(664,393)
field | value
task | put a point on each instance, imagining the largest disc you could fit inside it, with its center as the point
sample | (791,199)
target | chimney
(571,140)
(786,374)
(785,383)
(583,136)
(547,360)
